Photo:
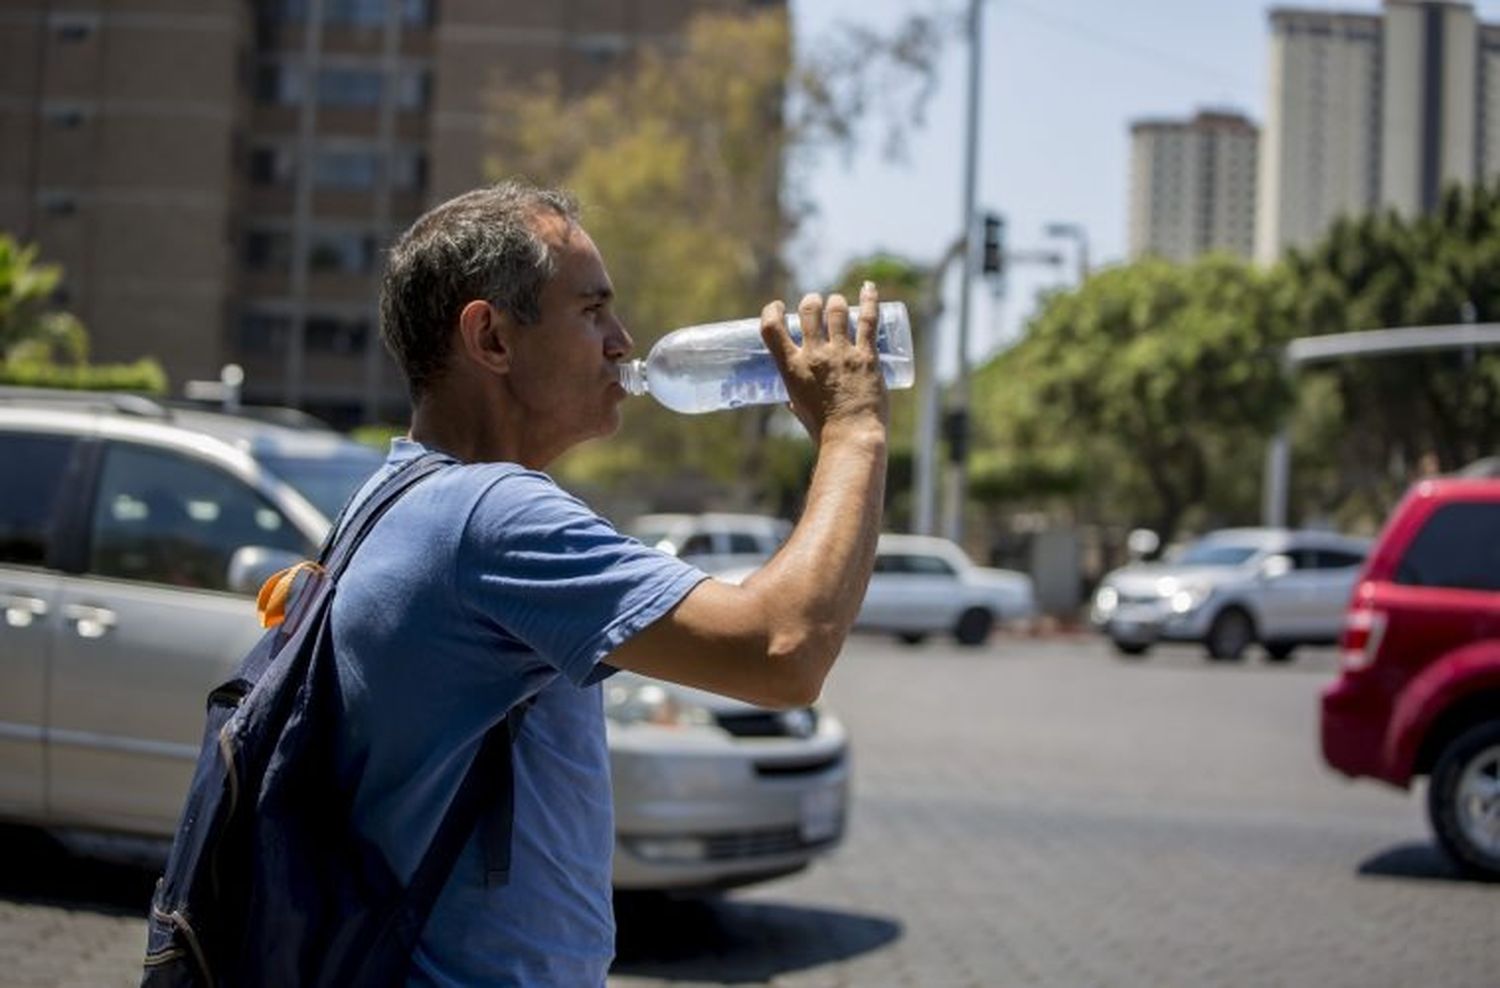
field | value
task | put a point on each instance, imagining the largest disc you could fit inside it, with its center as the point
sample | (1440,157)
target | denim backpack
(267,883)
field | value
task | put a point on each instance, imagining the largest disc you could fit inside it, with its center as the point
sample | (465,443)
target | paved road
(1034,813)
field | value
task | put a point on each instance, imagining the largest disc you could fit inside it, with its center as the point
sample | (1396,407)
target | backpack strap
(356,521)
(489,783)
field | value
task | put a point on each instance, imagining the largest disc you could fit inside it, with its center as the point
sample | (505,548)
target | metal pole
(929,394)
(958,406)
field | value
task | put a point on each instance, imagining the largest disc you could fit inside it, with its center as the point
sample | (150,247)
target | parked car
(132,538)
(1234,588)
(923,586)
(1419,689)
(711,792)
(715,541)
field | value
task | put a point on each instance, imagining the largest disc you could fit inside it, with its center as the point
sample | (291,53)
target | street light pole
(1076,233)
(958,404)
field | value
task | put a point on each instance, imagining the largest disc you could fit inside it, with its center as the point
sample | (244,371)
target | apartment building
(219,177)
(1192,185)
(1374,110)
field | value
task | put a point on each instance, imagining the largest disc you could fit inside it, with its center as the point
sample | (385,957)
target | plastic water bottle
(726,364)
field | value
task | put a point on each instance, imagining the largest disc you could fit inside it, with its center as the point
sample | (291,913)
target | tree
(1364,428)
(1144,396)
(42,346)
(686,163)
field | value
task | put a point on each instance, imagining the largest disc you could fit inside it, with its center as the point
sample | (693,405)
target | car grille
(770,723)
(759,843)
(799,766)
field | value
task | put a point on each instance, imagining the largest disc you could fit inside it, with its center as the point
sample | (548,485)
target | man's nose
(618,344)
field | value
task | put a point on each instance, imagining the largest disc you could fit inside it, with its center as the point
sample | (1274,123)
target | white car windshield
(1215,554)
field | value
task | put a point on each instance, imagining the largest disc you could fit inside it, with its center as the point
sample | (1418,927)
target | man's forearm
(817,581)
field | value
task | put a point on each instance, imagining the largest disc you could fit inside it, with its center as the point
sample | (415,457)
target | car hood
(1147,578)
(712,702)
(1006,580)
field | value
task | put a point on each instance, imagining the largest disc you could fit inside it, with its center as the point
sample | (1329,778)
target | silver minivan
(132,539)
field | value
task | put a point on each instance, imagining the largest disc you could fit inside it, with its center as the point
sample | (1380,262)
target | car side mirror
(252,565)
(1276,567)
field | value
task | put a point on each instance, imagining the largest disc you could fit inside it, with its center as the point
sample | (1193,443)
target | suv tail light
(1364,627)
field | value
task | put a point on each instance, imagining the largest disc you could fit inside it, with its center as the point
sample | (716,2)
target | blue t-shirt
(483,585)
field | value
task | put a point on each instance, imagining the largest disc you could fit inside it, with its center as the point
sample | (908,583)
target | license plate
(820,815)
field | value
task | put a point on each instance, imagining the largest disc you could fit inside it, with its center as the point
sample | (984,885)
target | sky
(1061,81)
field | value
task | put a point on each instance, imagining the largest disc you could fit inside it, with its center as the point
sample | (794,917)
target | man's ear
(483,336)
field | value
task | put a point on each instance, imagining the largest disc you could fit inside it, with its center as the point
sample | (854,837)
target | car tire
(1463,800)
(1230,634)
(1131,650)
(911,637)
(1280,651)
(974,627)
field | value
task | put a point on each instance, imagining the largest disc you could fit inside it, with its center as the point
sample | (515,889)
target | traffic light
(993,262)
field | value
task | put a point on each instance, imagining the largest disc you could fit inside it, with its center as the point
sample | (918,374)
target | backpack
(267,883)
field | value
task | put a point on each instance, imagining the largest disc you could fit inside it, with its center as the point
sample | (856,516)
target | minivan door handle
(91,622)
(21,610)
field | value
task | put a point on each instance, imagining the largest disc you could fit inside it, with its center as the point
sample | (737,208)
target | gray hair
(484,245)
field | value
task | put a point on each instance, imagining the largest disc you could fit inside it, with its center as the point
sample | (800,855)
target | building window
(264,332)
(346,169)
(342,252)
(348,87)
(414,89)
(334,334)
(58,203)
(409,171)
(358,13)
(272,166)
(268,250)
(73,28)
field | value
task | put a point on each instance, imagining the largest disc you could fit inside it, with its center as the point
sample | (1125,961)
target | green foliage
(1150,389)
(42,347)
(681,164)
(1365,428)
(1148,395)
(145,376)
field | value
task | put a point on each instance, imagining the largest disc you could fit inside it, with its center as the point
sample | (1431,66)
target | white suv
(1233,588)
(716,541)
(923,586)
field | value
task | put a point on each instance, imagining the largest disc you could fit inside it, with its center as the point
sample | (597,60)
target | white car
(133,538)
(1233,588)
(713,793)
(924,585)
(715,541)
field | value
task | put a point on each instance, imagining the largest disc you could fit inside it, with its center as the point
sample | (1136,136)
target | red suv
(1419,693)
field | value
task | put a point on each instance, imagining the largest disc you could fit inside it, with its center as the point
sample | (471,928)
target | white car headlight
(651,703)
(1106,600)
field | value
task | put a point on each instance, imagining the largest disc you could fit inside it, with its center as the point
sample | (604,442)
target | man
(486,585)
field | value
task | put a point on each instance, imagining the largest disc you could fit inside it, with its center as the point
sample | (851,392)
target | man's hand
(830,379)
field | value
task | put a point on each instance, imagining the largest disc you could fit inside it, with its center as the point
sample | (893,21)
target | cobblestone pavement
(1032,813)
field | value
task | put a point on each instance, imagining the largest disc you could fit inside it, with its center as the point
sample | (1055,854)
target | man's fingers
(869,314)
(773,332)
(837,317)
(810,315)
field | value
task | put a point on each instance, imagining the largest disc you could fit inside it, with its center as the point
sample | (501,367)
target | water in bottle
(726,364)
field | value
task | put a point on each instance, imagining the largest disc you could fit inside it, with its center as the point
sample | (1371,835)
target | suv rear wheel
(1463,800)
(1231,633)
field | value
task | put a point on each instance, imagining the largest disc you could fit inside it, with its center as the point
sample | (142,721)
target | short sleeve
(558,578)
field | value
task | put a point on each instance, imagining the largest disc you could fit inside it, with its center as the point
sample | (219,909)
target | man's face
(563,372)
